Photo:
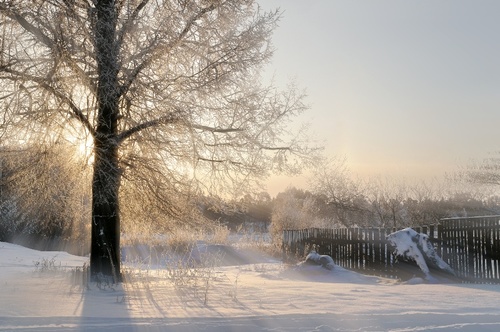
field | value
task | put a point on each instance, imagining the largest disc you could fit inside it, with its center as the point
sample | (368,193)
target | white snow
(258,297)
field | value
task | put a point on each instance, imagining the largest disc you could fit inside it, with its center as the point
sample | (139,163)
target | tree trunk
(105,248)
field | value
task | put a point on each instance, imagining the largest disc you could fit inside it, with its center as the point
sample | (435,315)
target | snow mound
(415,246)
(323,260)
(321,268)
(15,258)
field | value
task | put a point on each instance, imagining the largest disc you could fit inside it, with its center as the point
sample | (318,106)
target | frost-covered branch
(10,12)
(155,49)
(41,82)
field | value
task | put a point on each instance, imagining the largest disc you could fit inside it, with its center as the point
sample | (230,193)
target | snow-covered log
(323,260)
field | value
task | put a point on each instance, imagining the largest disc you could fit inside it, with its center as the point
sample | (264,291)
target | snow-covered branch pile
(417,247)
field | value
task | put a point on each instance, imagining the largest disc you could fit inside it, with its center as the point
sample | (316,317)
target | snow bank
(15,258)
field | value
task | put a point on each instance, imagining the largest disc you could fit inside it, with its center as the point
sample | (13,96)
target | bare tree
(293,209)
(342,192)
(390,199)
(168,91)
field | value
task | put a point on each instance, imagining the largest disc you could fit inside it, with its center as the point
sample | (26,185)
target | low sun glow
(83,144)
(85,149)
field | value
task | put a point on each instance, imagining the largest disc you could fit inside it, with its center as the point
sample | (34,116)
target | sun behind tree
(150,82)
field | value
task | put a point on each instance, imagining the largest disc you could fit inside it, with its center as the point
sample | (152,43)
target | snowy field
(38,293)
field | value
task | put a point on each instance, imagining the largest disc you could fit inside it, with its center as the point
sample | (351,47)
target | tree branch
(124,88)
(27,25)
(47,41)
(75,110)
(129,23)
(170,118)
(216,130)
(219,161)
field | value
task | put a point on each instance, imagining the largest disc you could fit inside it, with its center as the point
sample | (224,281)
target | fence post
(470,253)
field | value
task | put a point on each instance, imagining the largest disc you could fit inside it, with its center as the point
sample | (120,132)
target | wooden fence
(471,246)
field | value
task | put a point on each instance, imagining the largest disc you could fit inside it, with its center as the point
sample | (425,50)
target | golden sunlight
(86,149)
(83,144)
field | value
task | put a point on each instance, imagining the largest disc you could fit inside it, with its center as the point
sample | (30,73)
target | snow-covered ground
(37,293)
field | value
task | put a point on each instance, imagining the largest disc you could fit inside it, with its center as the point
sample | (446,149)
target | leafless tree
(293,209)
(333,180)
(390,201)
(168,91)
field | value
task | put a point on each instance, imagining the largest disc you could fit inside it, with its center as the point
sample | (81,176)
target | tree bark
(105,248)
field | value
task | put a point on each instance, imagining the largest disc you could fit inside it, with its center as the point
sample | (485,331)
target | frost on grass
(417,247)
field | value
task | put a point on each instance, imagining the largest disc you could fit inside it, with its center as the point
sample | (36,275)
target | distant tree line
(45,200)
(336,199)
(251,213)
(298,208)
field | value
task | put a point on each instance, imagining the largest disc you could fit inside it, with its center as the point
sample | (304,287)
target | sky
(400,88)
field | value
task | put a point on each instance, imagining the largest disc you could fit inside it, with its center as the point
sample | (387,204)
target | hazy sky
(406,88)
